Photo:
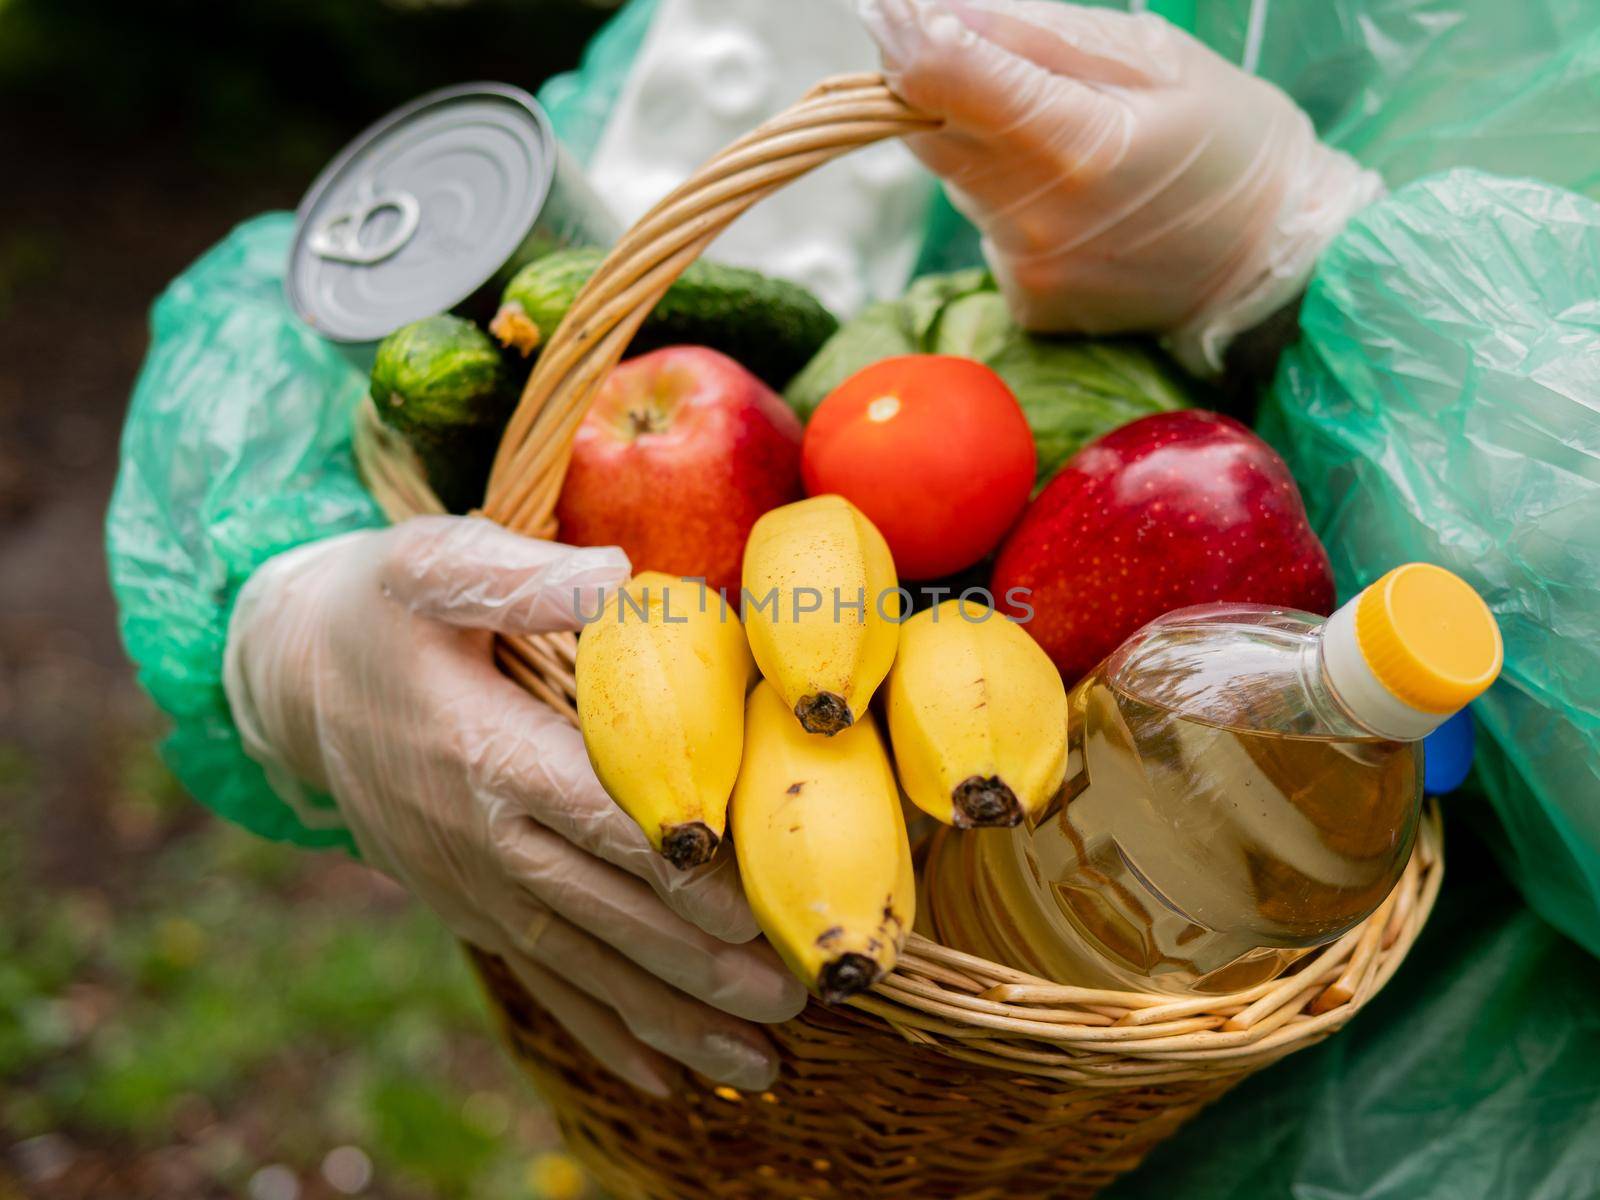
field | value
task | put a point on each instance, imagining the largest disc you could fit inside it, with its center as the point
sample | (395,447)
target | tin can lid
(419,211)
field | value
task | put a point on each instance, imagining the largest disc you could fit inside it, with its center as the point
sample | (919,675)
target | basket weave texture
(954,1077)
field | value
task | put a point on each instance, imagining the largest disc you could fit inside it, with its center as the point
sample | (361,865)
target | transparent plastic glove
(1124,176)
(361,666)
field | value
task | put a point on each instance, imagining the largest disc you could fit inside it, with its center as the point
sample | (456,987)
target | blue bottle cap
(1447,755)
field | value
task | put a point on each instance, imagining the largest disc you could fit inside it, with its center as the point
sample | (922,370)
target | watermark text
(795,605)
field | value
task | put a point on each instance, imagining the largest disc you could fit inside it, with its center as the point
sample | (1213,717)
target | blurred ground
(186,1011)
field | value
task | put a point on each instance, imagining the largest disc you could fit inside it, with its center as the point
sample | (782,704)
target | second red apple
(1170,510)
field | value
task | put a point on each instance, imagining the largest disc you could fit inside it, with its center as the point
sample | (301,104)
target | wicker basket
(955,1077)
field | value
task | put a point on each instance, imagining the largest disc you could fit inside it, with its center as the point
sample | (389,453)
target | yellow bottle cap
(1429,638)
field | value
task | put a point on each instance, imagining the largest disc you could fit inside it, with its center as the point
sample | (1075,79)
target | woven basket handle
(836,116)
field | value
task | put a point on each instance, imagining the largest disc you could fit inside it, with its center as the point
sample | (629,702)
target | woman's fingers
(1092,45)
(747,981)
(597,1029)
(718,1046)
(710,896)
(470,572)
(939,63)
(525,755)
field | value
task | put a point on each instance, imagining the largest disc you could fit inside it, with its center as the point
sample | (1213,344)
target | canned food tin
(432,208)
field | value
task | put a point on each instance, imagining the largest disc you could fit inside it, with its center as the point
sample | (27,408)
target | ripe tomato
(933,448)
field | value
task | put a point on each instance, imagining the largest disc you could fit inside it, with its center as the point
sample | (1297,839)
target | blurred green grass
(225,1005)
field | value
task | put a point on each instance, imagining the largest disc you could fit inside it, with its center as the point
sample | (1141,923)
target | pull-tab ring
(339,236)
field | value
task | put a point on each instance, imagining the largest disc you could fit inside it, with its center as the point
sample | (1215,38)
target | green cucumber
(769,326)
(444,385)
(440,373)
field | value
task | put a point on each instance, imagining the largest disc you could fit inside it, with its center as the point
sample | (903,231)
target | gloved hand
(361,666)
(1124,176)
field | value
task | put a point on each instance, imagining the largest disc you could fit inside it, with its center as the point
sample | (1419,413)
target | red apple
(1170,510)
(680,452)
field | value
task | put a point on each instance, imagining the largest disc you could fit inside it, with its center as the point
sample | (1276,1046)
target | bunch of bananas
(976,714)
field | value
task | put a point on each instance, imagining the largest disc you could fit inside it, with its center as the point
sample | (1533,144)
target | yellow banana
(820,608)
(661,678)
(978,717)
(822,848)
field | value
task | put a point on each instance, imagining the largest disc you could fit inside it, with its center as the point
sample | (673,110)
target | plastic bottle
(1244,784)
